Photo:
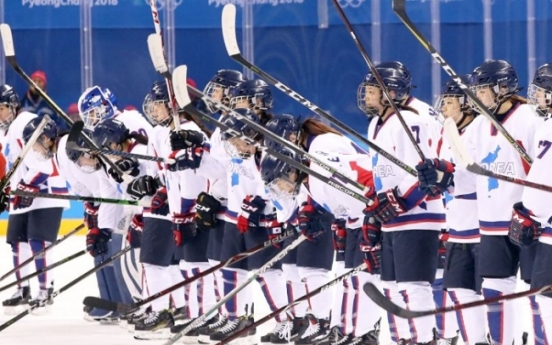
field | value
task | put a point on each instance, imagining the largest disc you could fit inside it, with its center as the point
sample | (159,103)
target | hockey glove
(142,186)
(189,158)
(523,229)
(339,235)
(91,215)
(184,228)
(5,200)
(443,238)
(371,232)
(435,176)
(159,204)
(371,257)
(185,139)
(24,201)
(308,220)
(206,211)
(134,233)
(130,166)
(251,211)
(96,241)
(386,207)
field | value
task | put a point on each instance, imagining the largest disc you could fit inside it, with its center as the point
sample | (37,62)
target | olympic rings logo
(350,3)
(170,4)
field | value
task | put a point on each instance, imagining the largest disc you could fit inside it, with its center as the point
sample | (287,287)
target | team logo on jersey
(503,168)
(237,170)
(379,171)
(350,3)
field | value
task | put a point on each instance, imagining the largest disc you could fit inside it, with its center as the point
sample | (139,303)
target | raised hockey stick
(76,198)
(305,297)
(64,288)
(184,101)
(251,277)
(381,300)
(376,74)
(400,10)
(6,179)
(96,302)
(42,251)
(464,158)
(44,269)
(231,43)
(9,51)
(76,132)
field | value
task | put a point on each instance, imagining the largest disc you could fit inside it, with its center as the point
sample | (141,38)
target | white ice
(66,325)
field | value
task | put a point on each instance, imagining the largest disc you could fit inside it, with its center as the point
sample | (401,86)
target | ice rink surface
(65,324)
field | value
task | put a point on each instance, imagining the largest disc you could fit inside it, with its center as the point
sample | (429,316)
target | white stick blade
(455,141)
(229,29)
(180,85)
(7,39)
(155,46)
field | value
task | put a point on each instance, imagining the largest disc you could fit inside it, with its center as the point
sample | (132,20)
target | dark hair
(316,127)
(518,99)
(265,117)
(140,138)
(408,108)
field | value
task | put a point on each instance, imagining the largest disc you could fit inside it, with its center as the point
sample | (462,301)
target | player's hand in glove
(134,233)
(309,220)
(96,241)
(250,215)
(5,200)
(274,229)
(435,176)
(206,211)
(142,186)
(386,206)
(523,230)
(339,231)
(184,139)
(91,215)
(371,232)
(24,201)
(443,238)
(184,228)
(159,203)
(129,166)
(189,158)
(372,256)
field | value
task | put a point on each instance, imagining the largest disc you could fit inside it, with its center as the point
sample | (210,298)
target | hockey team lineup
(427,225)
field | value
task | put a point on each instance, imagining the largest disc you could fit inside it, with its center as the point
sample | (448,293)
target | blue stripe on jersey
(416,218)
(38,179)
(471,233)
(186,205)
(58,190)
(471,196)
(413,197)
(494,226)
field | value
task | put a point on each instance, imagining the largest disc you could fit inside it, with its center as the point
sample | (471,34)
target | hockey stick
(64,288)
(399,8)
(305,297)
(381,300)
(9,51)
(38,131)
(237,289)
(155,46)
(44,269)
(376,74)
(96,302)
(460,153)
(184,101)
(76,198)
(231,43)
(76,132)
(42,251)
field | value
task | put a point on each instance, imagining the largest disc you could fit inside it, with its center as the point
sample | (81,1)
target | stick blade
(379,298)
(7,40)
(157,55)
(398,5)
(229,29)
(458,148)
(99,303)
(180,85)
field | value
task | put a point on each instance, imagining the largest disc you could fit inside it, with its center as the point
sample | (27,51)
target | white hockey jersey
(494,152)
(461,201)
(32,170)
(537,200)
(429,116)
(424,213)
